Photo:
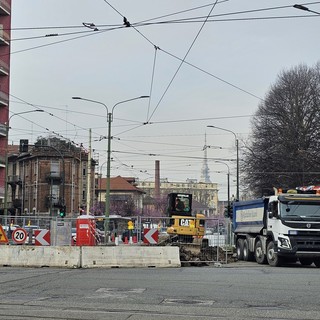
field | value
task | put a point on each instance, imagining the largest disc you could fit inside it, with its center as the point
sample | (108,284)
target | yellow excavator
(184,226)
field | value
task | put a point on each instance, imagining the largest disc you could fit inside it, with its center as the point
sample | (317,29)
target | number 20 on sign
(19,235)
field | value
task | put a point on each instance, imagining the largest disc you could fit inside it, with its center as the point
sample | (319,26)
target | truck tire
(247,255)
(306,261)
(260,256)
(273,259)
(316,261)
(240,249)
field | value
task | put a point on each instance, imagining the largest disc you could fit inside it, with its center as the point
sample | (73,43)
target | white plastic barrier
(130,256)
(32,256)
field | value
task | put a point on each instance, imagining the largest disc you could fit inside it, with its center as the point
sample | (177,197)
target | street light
(301,7)
(6,163)
(110,119)
(228,180)
(237,147)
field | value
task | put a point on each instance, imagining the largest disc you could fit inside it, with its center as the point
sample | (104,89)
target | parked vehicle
(283,227)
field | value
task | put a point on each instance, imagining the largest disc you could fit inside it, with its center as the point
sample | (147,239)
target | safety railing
(214,245)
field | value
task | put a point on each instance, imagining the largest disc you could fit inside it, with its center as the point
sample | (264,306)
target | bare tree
(284,148)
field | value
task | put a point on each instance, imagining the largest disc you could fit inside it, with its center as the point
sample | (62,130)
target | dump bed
(249,216)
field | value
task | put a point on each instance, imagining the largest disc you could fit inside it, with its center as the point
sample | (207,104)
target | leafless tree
(284,148)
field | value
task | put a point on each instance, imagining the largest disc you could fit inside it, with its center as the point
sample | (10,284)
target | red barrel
(86,230)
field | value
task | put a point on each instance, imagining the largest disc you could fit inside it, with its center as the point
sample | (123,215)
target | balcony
(4,99)
(14,180)
(3,130)
(4,68)
(5,8)
(4,37)
(56,202)
(54,177)
(2,161)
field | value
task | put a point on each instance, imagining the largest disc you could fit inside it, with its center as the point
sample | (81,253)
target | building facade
(5,27)
(205,194)
(125,197)
(49,177)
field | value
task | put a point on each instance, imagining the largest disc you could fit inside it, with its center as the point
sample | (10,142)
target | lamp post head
(301,7)
(77,98)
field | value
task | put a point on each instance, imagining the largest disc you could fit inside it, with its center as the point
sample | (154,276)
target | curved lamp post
(110,119)
(237,147)
(6,159)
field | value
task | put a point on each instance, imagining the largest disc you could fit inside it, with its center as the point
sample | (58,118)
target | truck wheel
(316,261)
(240,249)
(306,261)
(261,258)
(247,255)
(273,259)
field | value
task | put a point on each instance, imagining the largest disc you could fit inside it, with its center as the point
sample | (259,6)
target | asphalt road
(239,291)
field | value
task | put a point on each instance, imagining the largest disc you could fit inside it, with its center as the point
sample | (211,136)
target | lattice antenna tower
(205,175)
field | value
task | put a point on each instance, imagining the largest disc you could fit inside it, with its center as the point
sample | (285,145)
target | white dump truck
(284,227)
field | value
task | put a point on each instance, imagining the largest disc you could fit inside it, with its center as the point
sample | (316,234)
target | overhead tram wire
(85,129)
(148,22)
(61,41)
(96,32)
(152,79)
(128,120)
(182,61)
(160,17)
(186,20)
(47,129)
(200,69)
(176,21)
(170,156)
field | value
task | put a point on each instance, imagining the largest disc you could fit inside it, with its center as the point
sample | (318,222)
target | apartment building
(48,176)
(5,26)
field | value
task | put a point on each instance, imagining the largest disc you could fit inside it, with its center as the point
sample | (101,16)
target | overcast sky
(198,71)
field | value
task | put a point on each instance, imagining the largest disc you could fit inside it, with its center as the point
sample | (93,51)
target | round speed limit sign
(19,235)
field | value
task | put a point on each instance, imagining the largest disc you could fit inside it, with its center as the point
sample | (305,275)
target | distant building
(204,194)
(122,190)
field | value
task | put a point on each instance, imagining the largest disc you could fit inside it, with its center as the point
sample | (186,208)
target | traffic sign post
(19,235)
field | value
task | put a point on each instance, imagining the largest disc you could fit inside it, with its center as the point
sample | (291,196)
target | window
(55,168)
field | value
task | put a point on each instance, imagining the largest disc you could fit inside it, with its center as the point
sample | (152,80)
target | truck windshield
(299,210)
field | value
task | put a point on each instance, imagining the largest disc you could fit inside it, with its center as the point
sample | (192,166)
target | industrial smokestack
(157,180)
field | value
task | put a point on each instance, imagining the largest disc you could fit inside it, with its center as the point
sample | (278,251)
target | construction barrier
(130,256)
(89,257)
(35,256)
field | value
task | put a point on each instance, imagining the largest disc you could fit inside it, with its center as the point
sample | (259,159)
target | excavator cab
(179,204)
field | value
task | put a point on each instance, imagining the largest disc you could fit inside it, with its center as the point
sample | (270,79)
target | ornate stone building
(48,176)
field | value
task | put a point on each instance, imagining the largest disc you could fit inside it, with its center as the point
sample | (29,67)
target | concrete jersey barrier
(89,257)
(130,256)
(33,256)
